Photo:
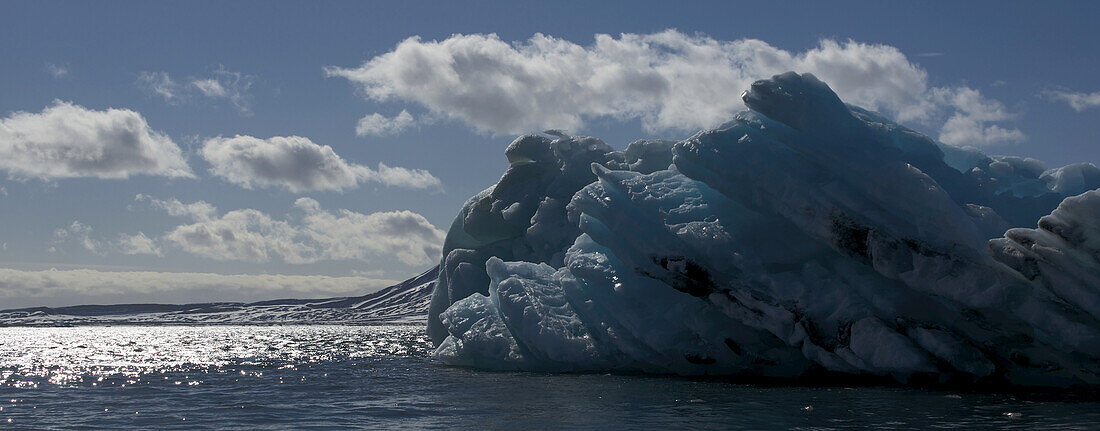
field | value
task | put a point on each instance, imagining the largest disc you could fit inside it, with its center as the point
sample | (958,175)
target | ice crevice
(805,236)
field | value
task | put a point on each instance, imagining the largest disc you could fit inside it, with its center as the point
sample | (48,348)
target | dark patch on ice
(692,278)
(851,238)
(816,334)
(699,360)
(733,346)
(683,274)
(844,333)
(1022,360)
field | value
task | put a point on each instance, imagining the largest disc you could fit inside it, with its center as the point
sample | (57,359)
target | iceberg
(805,237)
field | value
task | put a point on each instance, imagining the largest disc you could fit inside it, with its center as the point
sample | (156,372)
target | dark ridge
(385,301)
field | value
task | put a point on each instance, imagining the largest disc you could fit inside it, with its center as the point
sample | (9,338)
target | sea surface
(381,377)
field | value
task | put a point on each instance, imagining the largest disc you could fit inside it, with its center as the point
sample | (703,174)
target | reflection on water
(379,377)
(67,356)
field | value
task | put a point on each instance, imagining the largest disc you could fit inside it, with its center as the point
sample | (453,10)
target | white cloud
(159,84)
(876,77)
(210,87)
(197,211)
(669,80)
(378,125)
(137,244)
(348,235)
(69,141)
(1079,101)
(311,234)
(230,86)
(968,126)
(971,103)
(961,130)
(57,71)
(402,177)
(246,235)
(251,235)
(81,286)
(81,233)
(299,165)
(78,232)
(223,85)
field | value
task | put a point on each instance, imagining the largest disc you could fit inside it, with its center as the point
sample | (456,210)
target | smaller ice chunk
(1072,179)
(535,309)
(649,155)
(962,159)
(1063,253)
(478,336)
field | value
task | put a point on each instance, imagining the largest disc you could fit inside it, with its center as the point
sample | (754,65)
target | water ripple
(380,377)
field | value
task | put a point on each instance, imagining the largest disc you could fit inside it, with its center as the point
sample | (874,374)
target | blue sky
(307,84)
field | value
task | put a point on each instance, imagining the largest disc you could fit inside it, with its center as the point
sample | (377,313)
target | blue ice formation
(805,237)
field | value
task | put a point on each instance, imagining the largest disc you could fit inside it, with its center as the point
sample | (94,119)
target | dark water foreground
(380,377)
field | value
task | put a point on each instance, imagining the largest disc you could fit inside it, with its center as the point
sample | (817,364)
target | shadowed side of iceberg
(804,236)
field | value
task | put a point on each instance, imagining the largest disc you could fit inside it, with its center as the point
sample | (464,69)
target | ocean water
(381,377)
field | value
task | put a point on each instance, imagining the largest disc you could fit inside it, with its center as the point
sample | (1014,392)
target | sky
(242,151)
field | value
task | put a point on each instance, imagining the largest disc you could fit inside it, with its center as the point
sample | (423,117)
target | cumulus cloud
(310,234)
(378,125)
(1077,100)
(81,234)
(299,165)
(20,288)
(960,130)
(245,235)
(669,80)
(401,177)
(137,244)
(970,124)
(315,235)
(70,141)
(197,211)
(348,235)
(222,85)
